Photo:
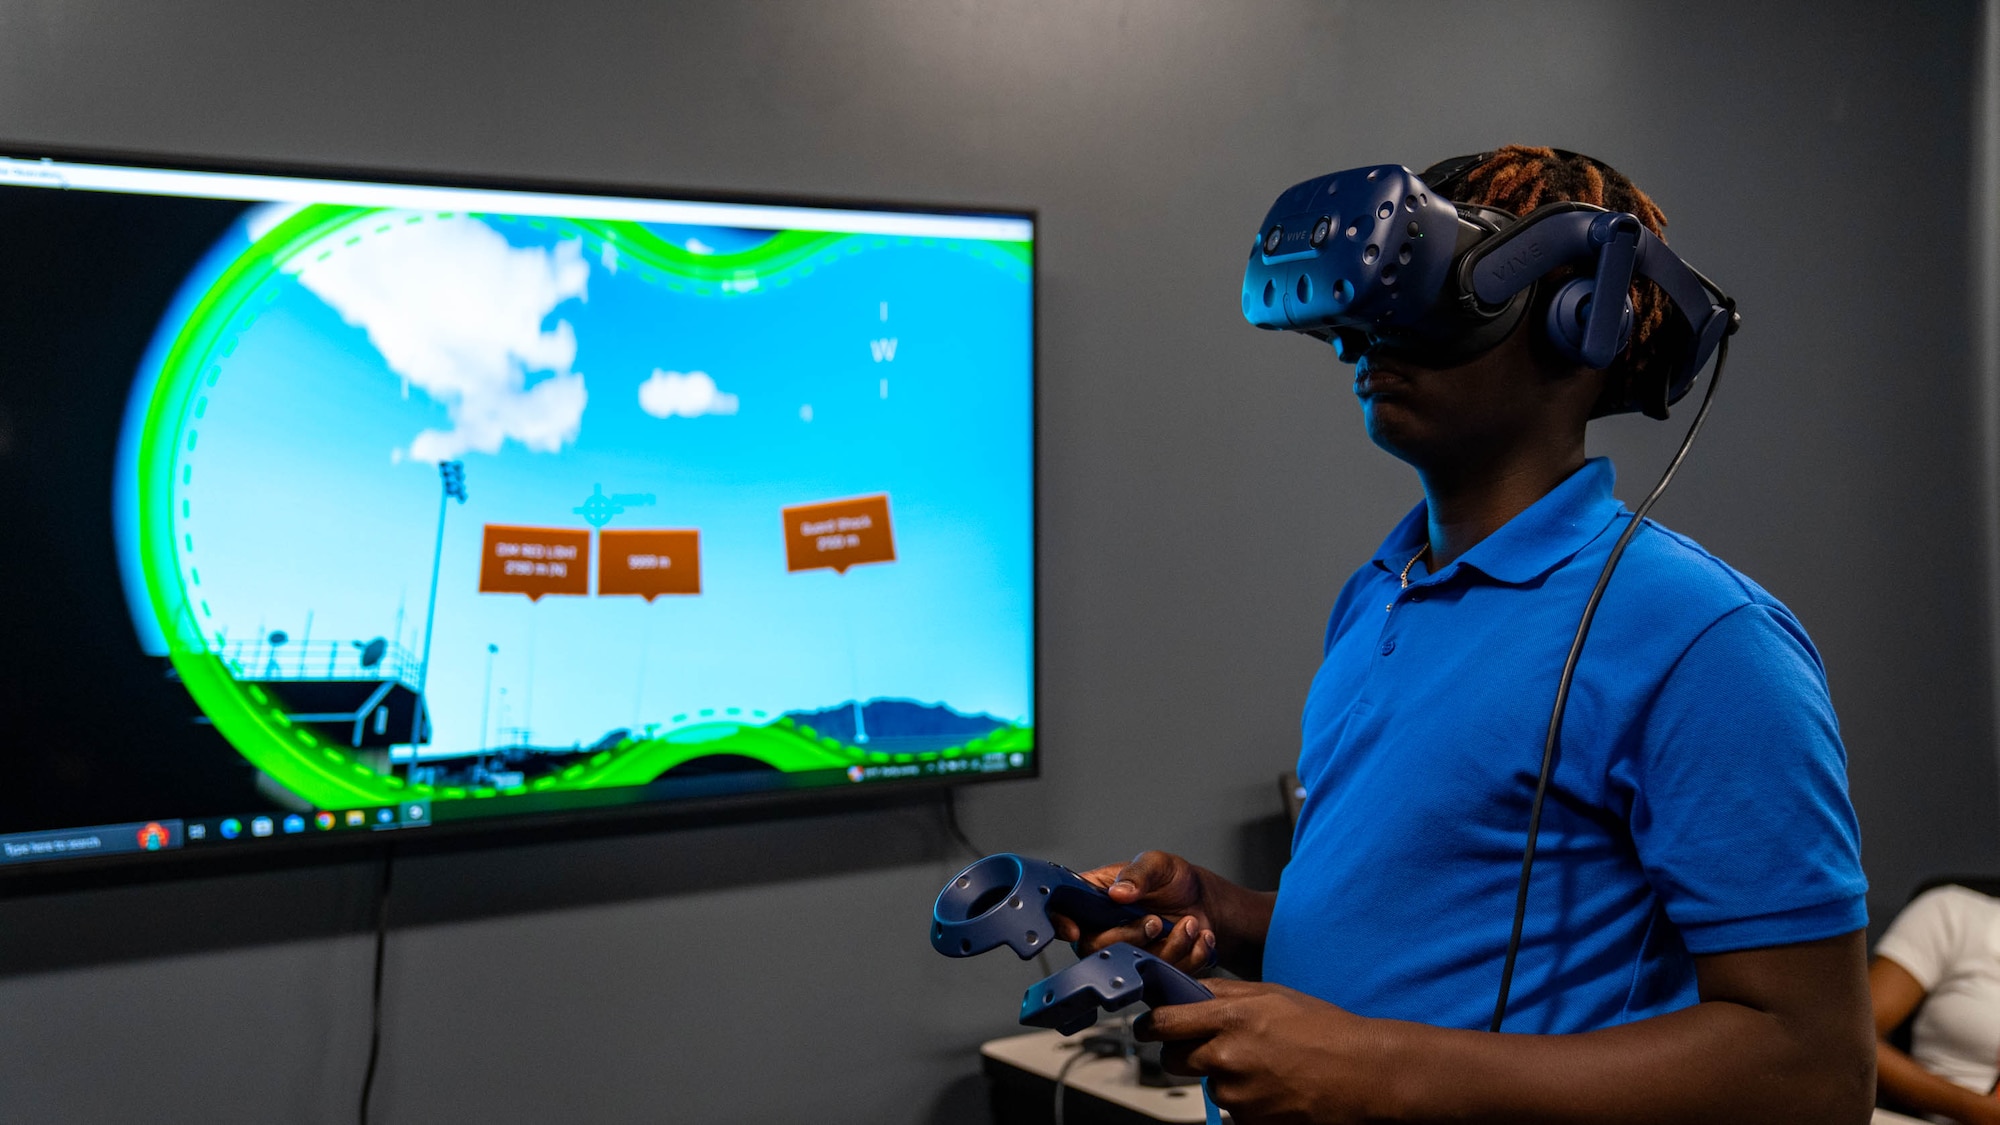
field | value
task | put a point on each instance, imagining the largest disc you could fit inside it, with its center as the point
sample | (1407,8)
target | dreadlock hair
(1520,178)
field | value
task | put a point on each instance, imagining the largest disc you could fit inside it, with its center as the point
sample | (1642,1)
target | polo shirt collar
(1547,534)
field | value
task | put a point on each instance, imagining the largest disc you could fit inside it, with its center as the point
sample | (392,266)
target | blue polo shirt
(1699,804)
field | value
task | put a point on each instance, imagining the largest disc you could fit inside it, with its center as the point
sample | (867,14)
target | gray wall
(1206,487)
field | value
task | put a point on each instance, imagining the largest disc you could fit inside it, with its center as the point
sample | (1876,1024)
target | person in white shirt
(1943,953)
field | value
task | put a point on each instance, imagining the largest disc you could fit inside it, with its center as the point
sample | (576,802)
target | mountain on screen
(902,725)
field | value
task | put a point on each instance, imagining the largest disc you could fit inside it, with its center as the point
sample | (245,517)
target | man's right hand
(1192,914)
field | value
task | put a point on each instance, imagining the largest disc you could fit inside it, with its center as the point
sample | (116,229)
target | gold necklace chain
(1404,577)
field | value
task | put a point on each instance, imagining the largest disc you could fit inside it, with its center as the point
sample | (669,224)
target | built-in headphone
(1381,257)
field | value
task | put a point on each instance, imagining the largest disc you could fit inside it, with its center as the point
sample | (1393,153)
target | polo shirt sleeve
(1928,937)
(1738,791)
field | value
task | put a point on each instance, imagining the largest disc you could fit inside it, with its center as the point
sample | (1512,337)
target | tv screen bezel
(519,828)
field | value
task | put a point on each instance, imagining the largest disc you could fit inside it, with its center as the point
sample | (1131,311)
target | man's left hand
(1256,1042)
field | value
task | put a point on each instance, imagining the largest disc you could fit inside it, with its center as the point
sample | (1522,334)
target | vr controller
(1005,899)
(1118,975)
(1377,257)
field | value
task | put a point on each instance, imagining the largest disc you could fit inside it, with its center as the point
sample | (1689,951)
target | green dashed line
(201,406)
(352,241)
(187,540)
(184,509)
(205,611)
(191,437)
(187,473)
(195,574)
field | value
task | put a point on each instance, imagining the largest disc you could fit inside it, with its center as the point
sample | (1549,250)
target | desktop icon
(232,828)
(1017,759)
(354,818)
(260,826)
(197,831)
(153,836)
(294,824)
(324,820)
(385,816)
(854,773)
(413,812)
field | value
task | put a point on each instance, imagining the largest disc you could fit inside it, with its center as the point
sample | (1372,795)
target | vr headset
(1380,258)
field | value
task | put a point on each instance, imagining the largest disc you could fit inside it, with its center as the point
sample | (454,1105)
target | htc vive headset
(1378,257)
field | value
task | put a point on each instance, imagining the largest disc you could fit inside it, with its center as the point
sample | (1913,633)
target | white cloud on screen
(264,219)
(458,312)
(670,393)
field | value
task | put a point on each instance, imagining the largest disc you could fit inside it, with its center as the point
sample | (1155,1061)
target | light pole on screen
(452,475)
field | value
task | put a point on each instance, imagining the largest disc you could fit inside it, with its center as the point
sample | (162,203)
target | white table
(1116,1080)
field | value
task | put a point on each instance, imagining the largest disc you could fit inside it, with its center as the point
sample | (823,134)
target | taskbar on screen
(173,834)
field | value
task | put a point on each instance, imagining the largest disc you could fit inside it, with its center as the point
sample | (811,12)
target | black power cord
(1549,746)
(375,996)
(951,825)
(1102,1045)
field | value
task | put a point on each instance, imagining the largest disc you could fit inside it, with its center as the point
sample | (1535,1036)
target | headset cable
(1550,744)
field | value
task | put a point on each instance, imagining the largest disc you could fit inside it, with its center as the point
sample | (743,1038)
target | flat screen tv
(337,506)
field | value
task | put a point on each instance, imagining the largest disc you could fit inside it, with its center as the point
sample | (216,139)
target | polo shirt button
(1388,646)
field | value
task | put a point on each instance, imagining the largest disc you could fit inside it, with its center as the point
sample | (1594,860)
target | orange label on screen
(648,563)
(837,534)
(534,561)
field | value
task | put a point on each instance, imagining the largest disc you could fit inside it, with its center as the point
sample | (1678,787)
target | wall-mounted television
(342,505)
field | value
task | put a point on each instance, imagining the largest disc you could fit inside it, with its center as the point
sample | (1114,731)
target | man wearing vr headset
(1692,945)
